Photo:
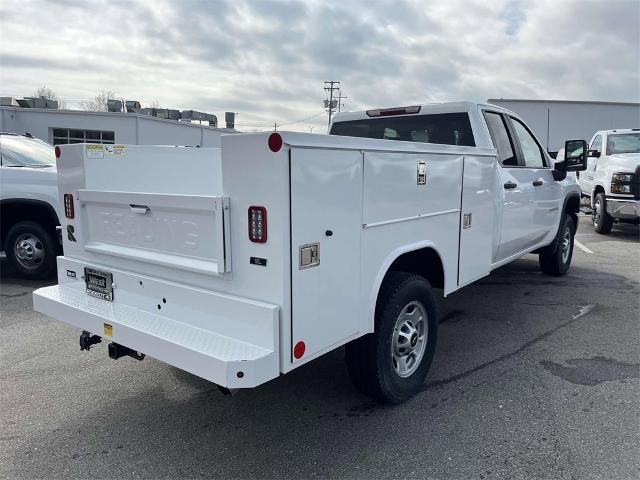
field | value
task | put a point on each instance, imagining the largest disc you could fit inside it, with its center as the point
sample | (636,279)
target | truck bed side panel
(427,216)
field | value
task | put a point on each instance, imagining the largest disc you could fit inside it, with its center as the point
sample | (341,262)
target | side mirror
(594,153)
(575,155)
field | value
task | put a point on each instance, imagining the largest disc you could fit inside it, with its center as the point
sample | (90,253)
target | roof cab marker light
(68,205)
(394,111)
(257,224)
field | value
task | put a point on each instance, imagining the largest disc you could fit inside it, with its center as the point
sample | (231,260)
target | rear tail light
(68,205)
(57,150)
(257,224)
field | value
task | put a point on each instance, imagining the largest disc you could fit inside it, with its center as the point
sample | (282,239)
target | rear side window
(501,139)
(441,128)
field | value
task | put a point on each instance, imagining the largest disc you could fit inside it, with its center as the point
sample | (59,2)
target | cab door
(587,178)
(516,190)
(546,192)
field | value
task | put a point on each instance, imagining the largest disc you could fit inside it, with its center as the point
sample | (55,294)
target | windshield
(19,151)
(442,128)
(623,143)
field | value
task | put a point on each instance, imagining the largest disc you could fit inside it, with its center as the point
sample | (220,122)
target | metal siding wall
(149,132)
(572,120)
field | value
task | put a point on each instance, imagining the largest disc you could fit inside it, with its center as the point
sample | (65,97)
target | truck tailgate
(185,232)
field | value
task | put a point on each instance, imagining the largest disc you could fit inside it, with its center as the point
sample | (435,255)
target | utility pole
(340,98)
(330,87)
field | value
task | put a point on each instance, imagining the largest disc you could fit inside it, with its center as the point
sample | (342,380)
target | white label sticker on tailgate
(95,151)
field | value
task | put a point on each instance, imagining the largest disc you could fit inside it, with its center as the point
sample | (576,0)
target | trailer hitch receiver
(117,351)
(86,340)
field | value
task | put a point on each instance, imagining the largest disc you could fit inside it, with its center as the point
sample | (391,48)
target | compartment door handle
(140,209)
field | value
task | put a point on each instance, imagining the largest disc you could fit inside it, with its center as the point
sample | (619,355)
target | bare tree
(155,104)
(49,94)
(99,102)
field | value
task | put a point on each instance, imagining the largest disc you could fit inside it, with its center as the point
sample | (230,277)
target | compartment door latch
(309,255)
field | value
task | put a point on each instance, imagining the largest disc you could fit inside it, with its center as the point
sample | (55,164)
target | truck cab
(612,178)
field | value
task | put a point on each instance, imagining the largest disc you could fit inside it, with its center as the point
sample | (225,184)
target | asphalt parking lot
(534,377)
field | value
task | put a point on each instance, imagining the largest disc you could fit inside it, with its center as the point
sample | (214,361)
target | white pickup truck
(242,263)
(612,178)
(29,209)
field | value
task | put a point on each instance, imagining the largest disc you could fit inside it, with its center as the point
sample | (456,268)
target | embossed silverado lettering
(156,231)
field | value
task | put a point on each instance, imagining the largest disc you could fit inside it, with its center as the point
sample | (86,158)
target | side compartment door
(516,185)
(478,217)
(326,225)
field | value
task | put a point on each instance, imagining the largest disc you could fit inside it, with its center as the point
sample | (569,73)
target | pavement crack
(583,310)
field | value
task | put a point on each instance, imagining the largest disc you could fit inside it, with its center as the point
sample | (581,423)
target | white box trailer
(243,263)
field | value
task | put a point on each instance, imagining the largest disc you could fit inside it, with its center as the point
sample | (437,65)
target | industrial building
(554,121)
(77,126)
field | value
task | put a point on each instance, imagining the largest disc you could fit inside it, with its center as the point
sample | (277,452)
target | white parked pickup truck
(29,209)
(612,178)
(243,263)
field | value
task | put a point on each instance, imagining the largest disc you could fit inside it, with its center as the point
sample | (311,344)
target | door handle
(141,209)
(537,183)
(510,185)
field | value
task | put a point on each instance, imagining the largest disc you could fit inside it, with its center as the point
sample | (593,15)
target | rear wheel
(556,258)
(602,221)
(392,363)
(30,250)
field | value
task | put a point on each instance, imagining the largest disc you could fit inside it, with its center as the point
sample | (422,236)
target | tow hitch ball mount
(117,351)
(86,340)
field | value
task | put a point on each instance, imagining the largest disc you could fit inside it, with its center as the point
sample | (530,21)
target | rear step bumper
(226,361)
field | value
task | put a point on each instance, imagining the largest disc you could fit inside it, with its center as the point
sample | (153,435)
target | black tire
(556,258)
(30,250)
(370,359)
(602,221)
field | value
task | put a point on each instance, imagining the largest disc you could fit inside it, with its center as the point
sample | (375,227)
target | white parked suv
(28,205)
(612,177)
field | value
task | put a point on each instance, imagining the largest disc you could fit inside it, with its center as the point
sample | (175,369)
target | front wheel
(556,258)
(391,364)
(602,221)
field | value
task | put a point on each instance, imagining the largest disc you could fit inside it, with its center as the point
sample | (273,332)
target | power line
(283,124)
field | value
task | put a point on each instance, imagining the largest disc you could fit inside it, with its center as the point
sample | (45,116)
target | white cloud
(268,59)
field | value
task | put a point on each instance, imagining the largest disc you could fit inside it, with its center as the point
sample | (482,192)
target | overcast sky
(268,60)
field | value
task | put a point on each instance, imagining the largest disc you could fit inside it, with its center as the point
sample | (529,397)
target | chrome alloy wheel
(29,251)
(409,340)
(566,244)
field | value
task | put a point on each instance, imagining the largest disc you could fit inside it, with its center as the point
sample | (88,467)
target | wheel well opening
(425,262)
(14,212)
(573,205)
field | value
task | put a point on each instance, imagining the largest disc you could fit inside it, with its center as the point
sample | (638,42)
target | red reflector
(57,150)
(275,142)
(298,350)
(257,224)
(68,205)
